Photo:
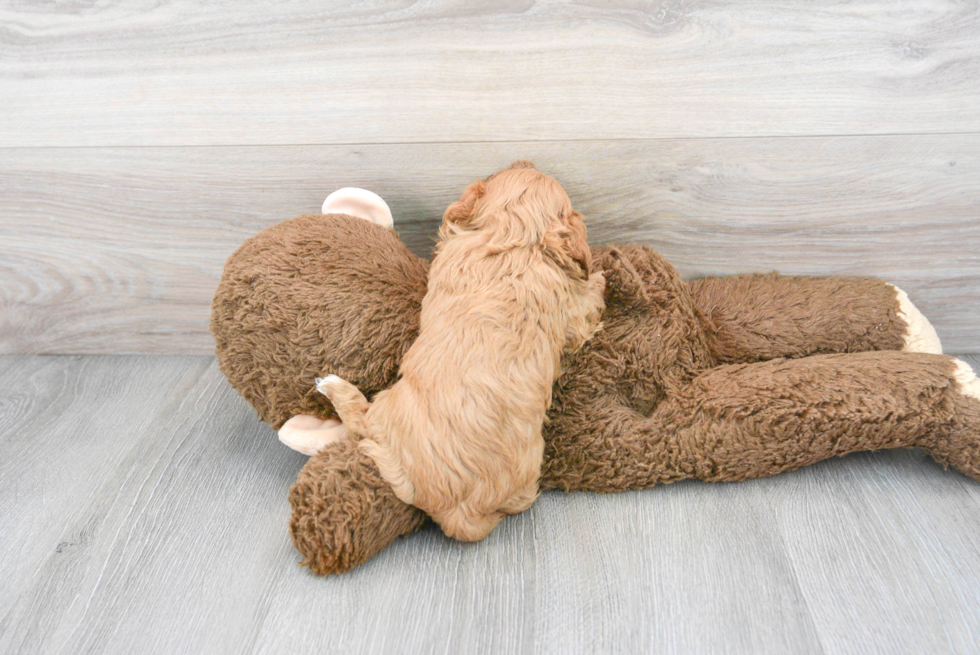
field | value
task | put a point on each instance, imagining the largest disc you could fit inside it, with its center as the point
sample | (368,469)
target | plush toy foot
(360,203)
(967,379)
(920,336)
(959,446)
(309,434)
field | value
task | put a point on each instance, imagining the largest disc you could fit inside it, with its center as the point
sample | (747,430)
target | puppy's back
(508,288)
(475,388)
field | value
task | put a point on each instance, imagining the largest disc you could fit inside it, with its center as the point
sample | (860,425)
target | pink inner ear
(360,203)
(309,434)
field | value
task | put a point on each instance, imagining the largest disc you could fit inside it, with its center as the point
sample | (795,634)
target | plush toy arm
(754,420)
(750,318)
(343,512)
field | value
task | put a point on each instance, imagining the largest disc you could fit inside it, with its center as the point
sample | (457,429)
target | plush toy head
(313,294)
(719,379)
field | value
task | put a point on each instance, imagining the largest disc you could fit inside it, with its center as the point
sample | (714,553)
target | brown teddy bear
(717,379)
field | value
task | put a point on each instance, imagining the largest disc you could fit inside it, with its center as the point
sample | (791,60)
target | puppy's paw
(598,281)
(338,390)
(593,306)
(920,336)
(359,203)
(309,434)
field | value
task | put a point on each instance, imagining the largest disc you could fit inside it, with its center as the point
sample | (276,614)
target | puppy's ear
(569,248)
(579,251)
(459,213)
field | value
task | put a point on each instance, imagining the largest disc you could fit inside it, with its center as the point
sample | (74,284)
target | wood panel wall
(139,144)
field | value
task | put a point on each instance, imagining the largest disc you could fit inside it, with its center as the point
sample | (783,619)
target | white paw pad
(967,379)
(309,434)
(360,203)
(323,384)
(920,336)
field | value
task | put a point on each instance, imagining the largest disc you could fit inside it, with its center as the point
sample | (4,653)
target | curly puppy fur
(459,435)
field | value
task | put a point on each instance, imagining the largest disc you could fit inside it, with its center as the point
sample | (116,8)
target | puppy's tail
(352,407)
(349,402)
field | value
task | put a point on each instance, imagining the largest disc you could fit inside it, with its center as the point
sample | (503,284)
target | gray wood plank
(65,425)
(677,569)
(886,553)
(143,508)
(163,539)
(195,73)
(119,249)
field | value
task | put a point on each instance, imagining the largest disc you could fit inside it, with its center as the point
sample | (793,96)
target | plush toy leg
(738,422)
(360,203)
(309,434)
(753,420)
(751,318)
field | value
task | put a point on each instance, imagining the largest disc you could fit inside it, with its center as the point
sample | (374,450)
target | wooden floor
(143,509)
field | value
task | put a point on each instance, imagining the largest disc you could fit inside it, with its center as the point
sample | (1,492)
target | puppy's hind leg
(459,524)
(522,499)
(350,403)
(462,522)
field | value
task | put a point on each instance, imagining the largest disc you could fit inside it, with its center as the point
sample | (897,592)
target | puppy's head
(520,207)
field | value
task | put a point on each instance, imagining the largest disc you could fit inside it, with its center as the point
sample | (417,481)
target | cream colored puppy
(459,434)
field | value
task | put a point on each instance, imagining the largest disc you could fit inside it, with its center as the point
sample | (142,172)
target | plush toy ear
(309,435)
(359,203)
(459,213)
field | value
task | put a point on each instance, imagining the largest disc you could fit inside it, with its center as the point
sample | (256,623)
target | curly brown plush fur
(345,502)
(717,379)
(312,295)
